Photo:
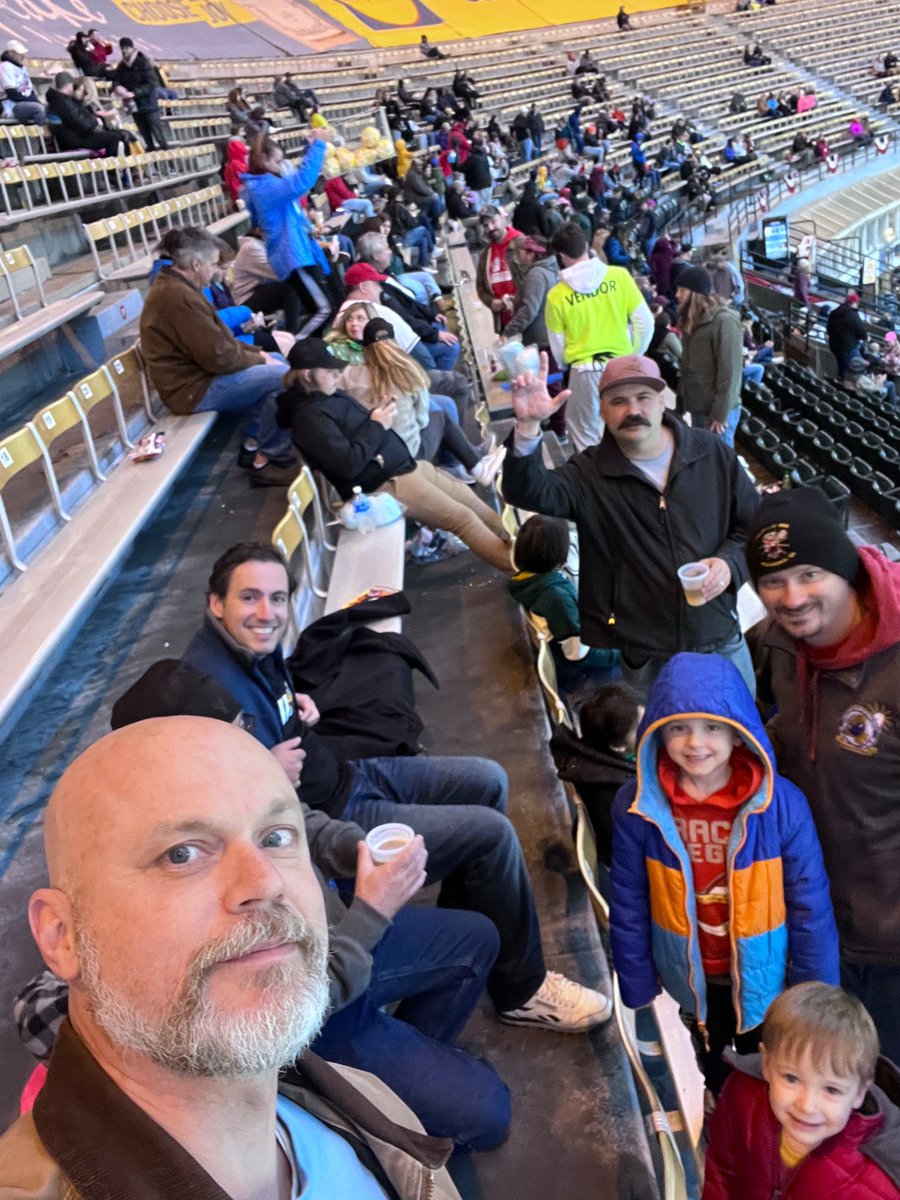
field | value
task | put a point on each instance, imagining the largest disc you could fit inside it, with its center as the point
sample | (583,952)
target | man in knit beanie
(828,655)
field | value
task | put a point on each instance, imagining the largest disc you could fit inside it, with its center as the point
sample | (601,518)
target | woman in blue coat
(272,191)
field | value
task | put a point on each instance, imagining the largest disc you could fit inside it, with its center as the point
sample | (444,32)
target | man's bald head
(127,775)
(183,909)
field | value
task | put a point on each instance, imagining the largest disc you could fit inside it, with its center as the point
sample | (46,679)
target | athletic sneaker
(563,1005)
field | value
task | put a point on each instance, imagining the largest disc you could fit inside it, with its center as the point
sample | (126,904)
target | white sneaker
(563,1005)
(485,471)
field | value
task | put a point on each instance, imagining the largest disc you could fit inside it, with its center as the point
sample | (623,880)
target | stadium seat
(58,418)
(289,536)
(97,388)
(17,451)
(546,668)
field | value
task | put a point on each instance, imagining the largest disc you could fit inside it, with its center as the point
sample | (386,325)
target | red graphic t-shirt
(705,827)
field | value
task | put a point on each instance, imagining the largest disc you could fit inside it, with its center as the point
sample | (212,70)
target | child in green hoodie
(541,550)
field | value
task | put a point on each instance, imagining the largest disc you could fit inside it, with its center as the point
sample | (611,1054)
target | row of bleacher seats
(802,426)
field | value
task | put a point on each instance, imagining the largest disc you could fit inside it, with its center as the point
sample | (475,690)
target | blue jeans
(527,149)
(444,354)
(421,284)
(359,205)
(255,389)
(877,986)
(731,423)
(435,963)
(457,805)
(421,240)
(753,372)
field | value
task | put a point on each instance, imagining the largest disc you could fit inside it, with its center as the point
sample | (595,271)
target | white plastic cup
(387,841)
(692,575)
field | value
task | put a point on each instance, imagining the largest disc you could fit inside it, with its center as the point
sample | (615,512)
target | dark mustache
(631,422)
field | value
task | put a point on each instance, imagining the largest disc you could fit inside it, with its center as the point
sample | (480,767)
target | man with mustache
(183,911)
(829,656)
(652,496)
(494,279)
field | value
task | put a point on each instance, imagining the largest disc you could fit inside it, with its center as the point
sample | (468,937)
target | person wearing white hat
(20,100)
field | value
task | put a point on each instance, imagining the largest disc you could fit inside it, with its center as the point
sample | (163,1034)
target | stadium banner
(178,29)
(171,30)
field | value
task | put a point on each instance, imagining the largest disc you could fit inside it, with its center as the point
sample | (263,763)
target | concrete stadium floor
(576,1130)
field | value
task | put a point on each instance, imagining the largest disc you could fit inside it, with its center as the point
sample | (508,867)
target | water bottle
(362,511)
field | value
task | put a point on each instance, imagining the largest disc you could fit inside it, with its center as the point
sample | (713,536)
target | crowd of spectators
(743,788)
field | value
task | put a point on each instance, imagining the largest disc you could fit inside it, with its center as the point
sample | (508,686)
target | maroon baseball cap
(361,272)
(631,368)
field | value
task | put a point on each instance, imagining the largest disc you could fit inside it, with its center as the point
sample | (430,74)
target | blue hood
(700,685)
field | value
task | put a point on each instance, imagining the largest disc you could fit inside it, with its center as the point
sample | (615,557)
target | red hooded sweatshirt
(236,166)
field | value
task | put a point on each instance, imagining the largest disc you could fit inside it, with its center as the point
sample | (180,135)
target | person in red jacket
(341,196)
(803,1120)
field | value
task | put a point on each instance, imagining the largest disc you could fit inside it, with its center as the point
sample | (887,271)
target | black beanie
(695,279)
(171,688)
(799,526)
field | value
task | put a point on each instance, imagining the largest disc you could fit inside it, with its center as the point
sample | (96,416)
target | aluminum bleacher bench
(50,315)
(123,245)
(367,560)
(45,603)
(26,192)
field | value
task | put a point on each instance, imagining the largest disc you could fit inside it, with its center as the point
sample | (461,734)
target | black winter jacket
(633,539)
(416,315)
(140,78)
(337,435)
(75,117)
(477,171)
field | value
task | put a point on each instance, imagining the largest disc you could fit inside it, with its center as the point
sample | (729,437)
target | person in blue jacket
(719,891)
(272,191)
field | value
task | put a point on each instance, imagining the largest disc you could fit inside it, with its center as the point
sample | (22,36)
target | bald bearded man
(184,914)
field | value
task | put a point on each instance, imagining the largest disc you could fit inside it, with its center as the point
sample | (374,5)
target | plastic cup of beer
(386,841)
(692,576)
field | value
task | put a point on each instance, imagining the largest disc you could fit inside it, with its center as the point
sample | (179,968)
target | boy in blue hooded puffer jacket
(719,892)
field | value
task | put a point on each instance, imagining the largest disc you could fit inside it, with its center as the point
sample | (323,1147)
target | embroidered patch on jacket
(861,727)
(774,546)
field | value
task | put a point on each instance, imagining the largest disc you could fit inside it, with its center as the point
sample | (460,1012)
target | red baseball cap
(361,272)
(631,368)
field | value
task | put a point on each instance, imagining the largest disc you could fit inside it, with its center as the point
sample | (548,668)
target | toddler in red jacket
(804,1120)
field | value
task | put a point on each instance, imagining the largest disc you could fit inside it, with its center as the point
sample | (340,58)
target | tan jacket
(85,1139)
(185,345)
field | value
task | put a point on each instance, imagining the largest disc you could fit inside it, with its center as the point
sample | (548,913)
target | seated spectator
(890,355)
(427,424)
(737,103)
(806,100)
(101,52)
(203,985)
(860,131)
(356,448)
(197,365)
(255,284)
(75,125)
(438,348)
(623,21)
(665,339)
(258,124)
(237,108)
(286,94)
(616,254)
(887,95)
(601,759)
(79,51)
(542,587)
(429,51)
(340,196)
(890,63)
(821,150)
(586,64)
(807,1107)
(20,100)
(876,386)
(801,151)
